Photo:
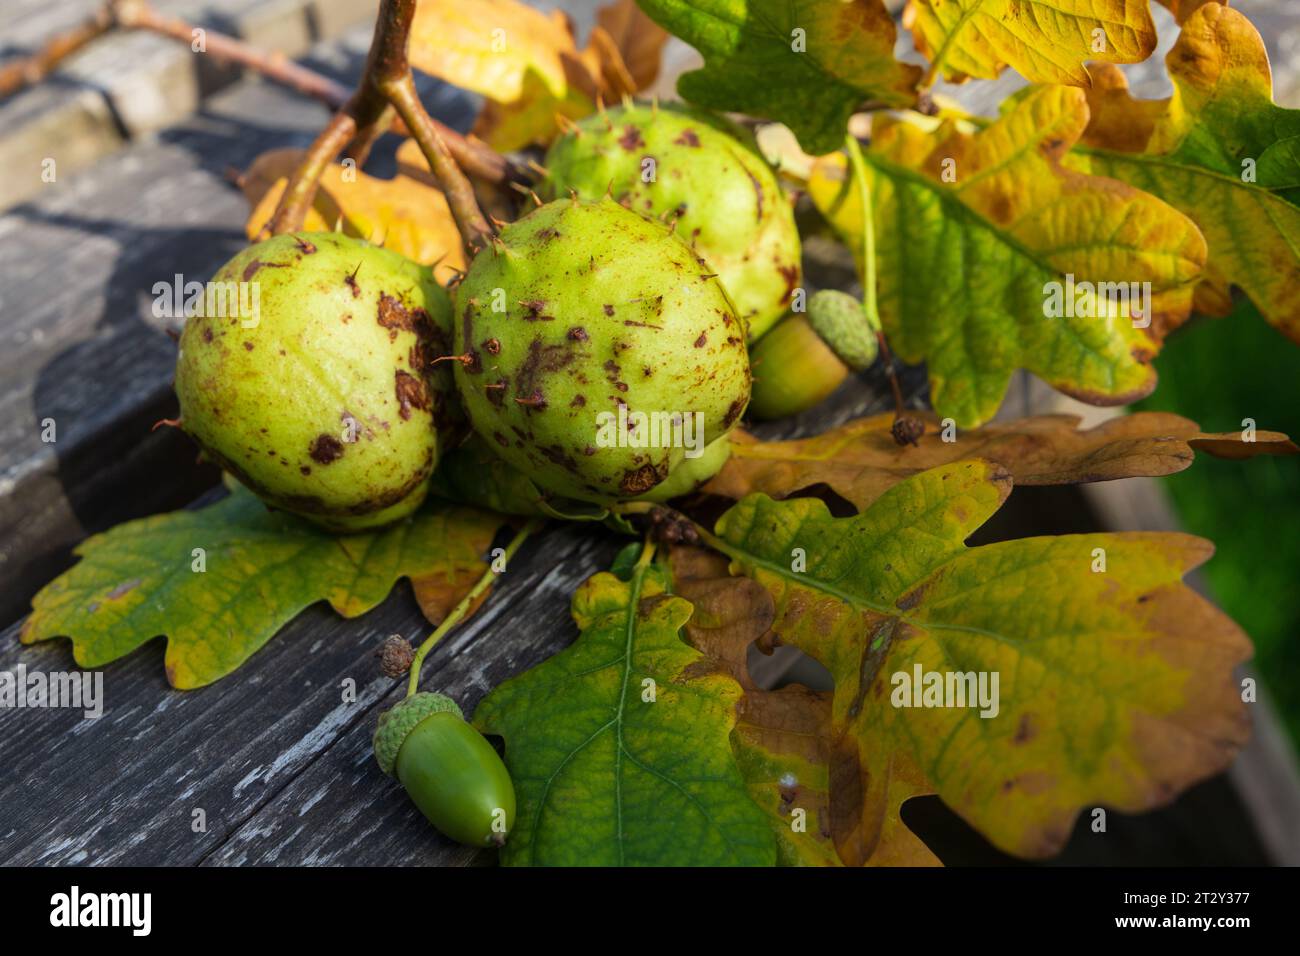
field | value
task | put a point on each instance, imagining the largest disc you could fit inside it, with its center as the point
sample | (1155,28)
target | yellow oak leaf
(1219,150)
(403,214)
(1045,41)
(860,461)
(1021,681)
(987,245)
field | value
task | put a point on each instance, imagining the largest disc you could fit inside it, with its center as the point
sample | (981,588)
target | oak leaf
(782,740)
(806,63)
(1114,681)
(527,64)
(1001,242)
(1045,41)
(859,461)
(618,745)
(638,40)
(259,568)
(1222,152)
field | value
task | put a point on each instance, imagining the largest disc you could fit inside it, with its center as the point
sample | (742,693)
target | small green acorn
(448,769)
(801,361)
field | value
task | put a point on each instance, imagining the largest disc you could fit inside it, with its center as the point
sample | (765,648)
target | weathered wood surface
(275,758)
(127,84)
(79,343)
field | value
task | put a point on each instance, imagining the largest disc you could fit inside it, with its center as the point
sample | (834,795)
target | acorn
(447,768)
(801,361)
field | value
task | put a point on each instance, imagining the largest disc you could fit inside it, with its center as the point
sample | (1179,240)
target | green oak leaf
(259,569)
(618,745)
(808,63)
(1219,150)
(978,226)
(1115,681)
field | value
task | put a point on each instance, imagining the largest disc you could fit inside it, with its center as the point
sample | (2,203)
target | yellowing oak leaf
(1182,9)
(403,214)
(1020,681)
(527,64)
(861,460)
(783,743)
(1222,152)
(638,40)
(490,46)
(1045,41)
(260,569)
(806,63)
(992,256)
(782,739)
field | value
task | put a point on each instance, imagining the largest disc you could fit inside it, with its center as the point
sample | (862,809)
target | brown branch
(472,155)
(32,69)
(474,228)
(364,141)
(386,82)
(138,14)
(389,71)
(300,190)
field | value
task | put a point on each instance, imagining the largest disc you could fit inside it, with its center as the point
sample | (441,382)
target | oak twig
(474,156)
(386,82)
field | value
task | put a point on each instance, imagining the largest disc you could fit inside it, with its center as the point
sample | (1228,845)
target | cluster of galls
(634,296)
(637,291)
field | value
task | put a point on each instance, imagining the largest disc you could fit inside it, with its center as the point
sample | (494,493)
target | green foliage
(756,60)
(220,581)
(618,746)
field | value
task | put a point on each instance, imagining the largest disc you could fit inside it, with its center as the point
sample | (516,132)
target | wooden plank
(123,788)
(130,83)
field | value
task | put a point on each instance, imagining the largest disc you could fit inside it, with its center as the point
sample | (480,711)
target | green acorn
(448,769)
(804,359)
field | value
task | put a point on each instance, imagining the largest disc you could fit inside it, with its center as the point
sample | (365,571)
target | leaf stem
(859,165)
(474,228)
(458,613)
(870,304)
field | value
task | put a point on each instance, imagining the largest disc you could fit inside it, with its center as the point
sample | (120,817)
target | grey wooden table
(276,759)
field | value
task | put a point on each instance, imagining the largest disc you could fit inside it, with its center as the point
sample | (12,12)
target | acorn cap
(396,723)
(842,323)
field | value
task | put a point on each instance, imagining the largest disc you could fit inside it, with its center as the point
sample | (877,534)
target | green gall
(318,390)
(699,175)
(594,349)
